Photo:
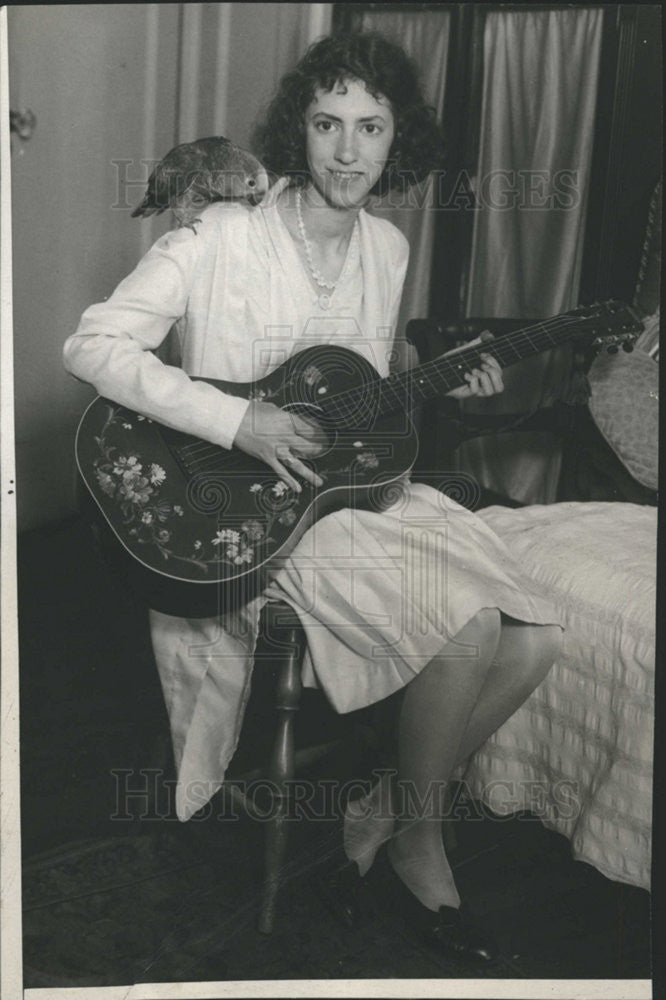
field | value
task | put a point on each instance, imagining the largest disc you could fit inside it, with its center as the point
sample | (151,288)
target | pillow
(624,404)
(648,340)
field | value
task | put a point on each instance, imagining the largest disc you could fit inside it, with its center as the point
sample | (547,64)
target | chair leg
(281,773)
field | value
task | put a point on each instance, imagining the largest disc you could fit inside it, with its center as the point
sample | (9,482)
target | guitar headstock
(607,324)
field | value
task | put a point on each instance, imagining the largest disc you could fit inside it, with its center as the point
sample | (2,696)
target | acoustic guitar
(197,528)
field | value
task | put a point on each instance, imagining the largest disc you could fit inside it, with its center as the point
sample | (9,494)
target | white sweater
(227,288)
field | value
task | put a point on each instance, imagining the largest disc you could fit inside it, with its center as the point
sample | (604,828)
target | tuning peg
(628,346)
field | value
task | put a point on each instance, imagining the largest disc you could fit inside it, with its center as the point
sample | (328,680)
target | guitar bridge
(193,455)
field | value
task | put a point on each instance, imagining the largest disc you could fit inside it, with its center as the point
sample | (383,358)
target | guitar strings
(440,367)
(346,404)
(362,405)
(364,402)
(448,370)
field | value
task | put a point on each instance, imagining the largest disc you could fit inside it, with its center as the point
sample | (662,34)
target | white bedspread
(579,752)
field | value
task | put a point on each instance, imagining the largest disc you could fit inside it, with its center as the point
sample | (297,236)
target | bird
(194,174)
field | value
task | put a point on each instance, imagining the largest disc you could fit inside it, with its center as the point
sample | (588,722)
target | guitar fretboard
(363,404)
(359,407)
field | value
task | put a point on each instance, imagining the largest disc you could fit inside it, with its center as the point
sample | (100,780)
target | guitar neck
(436,378)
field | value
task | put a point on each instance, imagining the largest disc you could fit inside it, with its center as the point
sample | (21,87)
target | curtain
(232,56)
(537,127)
(424,35)
(224,86)
(231,59)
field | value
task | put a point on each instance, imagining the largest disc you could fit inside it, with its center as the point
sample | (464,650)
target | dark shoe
(339,891)
(445,930)
(451,935)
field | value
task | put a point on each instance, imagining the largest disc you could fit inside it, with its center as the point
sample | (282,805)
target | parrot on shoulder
(194,174)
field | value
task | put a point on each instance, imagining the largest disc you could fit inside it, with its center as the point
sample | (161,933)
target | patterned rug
(174,905)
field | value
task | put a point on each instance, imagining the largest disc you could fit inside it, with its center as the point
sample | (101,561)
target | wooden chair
(280,649)
(282,632)
(590,470)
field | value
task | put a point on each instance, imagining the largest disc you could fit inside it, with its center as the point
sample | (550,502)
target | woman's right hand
(281,440)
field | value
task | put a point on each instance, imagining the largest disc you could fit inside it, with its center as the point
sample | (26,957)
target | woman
(309,264)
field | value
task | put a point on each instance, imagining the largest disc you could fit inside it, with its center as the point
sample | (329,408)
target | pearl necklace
(324,298)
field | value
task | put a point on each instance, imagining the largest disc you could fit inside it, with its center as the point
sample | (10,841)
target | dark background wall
(628,150)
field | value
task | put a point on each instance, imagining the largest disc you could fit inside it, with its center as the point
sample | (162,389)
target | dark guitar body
(196,528)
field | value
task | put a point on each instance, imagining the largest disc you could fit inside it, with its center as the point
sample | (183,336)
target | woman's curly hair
(386,70)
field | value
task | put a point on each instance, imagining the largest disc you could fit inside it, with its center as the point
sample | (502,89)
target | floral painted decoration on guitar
(136,484)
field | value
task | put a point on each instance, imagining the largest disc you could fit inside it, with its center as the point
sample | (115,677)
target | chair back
(648,285)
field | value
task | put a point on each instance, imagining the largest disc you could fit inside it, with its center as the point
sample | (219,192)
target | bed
(579,752)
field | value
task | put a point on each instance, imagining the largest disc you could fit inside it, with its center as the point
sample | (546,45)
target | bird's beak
(261,187)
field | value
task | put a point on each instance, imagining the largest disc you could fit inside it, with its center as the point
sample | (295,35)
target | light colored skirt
(379,595)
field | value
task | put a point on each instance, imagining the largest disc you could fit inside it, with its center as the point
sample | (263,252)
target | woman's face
(348,137)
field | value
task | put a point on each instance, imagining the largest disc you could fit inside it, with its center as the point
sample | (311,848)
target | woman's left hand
(483,381)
